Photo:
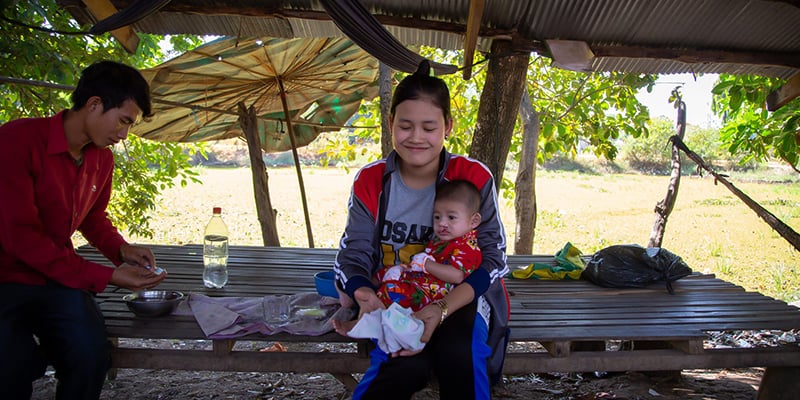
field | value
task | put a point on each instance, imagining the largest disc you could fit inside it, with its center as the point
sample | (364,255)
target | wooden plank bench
(565,317)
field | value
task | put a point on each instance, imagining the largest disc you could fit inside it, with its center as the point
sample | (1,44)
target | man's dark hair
(114,83)
(460,190)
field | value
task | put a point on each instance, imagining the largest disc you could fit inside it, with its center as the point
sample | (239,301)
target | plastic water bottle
(215,251)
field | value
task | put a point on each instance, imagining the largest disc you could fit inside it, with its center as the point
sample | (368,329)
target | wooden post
(266,214)
(664,207)
(779,383)
(525,200)
(385,91)
(499,105)
(102,9)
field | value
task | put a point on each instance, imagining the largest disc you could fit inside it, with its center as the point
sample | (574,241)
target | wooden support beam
(557,349)
(102,9)
(688,346)
(697,56)
(577,55)
(222,347)
(239,361)
(471,37)
(784,94)
(650,360)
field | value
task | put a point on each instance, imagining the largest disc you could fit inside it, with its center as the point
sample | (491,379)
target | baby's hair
(421,84)
(462,191)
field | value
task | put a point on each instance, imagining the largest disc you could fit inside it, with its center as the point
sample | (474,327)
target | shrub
(652,153)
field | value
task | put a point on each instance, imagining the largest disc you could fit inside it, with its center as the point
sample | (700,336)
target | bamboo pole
(296,162)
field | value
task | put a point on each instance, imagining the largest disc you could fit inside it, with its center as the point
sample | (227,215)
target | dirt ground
(150,384)
(145,384)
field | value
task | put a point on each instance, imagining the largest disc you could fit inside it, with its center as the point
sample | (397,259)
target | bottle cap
(217,210)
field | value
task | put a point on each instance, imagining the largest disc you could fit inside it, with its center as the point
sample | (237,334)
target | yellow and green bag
(569,265)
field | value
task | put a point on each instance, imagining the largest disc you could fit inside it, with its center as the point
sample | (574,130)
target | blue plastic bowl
(324,281)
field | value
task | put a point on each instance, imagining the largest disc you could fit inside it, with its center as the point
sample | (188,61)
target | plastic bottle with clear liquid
(215,251)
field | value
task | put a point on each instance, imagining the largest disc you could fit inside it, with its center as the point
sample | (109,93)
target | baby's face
(452,219)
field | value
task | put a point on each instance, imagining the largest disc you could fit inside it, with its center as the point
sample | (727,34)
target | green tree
(576,107)
(650,153)
(40,41)
(749,129)
(573,108)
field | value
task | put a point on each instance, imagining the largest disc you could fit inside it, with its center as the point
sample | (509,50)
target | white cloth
(394,329)
(394,273)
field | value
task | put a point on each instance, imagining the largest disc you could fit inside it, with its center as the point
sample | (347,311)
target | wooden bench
(668,332)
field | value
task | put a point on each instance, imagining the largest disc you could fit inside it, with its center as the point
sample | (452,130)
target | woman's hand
(367,301)
(431,316)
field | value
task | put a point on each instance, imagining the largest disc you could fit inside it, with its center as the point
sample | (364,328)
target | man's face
(109,127)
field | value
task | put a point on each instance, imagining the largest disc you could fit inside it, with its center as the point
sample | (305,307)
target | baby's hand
(418,261)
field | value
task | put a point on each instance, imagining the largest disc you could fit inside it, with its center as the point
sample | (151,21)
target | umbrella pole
(296,162)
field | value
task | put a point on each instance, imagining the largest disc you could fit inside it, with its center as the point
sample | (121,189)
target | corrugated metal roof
(222,25)
(720,25)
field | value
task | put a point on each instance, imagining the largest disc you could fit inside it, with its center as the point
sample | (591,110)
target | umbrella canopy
(195,95)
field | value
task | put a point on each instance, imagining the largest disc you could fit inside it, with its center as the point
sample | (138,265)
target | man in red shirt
(56,179)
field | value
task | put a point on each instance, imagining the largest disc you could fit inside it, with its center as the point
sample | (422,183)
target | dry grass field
(709,227)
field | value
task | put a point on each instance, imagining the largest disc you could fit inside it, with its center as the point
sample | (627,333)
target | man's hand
(135,277)
(137,256)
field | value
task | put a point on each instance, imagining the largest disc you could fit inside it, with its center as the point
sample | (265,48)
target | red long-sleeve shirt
(44,198)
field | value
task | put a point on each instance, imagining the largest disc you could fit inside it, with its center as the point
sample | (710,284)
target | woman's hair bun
(424,68)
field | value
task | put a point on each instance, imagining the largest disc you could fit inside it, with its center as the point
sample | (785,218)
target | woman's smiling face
(418,132)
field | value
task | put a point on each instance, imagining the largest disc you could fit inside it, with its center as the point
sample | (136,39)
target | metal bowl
(153,303)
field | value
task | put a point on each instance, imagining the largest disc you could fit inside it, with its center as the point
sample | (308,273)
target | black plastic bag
(632,265)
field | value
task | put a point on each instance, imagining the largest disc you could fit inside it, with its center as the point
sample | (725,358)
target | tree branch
(784,230)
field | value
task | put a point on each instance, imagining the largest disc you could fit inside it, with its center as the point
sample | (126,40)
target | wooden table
(566,317)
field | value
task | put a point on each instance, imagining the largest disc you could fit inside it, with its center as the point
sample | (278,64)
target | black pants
(71,335)
(456,355)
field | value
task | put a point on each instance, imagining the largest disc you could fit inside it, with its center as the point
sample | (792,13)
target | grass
(712,230)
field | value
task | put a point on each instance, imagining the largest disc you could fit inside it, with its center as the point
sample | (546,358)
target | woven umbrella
(295,88)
